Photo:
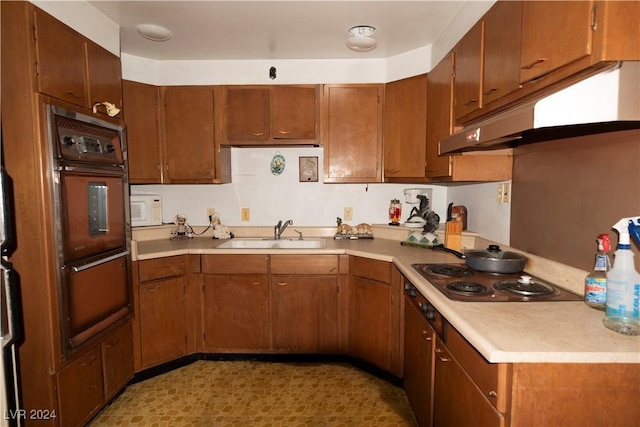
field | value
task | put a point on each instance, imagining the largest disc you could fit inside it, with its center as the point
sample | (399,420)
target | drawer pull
(534,63)
(441,358)
(490,91)
(112,343)
(257,133)
(426,335)
(256,283)
(470,102)
(493,394)
(154,289)
(75,95)
(284,132)
(282,283)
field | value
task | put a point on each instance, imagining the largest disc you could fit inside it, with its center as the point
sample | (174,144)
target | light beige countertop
(509,332)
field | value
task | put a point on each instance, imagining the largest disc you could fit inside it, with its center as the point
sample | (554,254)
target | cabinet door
(141,115)
(236,312)
(80,389)
(418,364)
(502,29)
(247,113)
(457,398)
(60,60)
(370,321)
(305,313)
(554,34)
(117,361)
(439,116)
(162,321)
(294,112)
(468,72)
(405,128)
(189,139)
(352,132)
(105,77)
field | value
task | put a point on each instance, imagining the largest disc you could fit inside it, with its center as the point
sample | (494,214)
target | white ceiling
(291,29)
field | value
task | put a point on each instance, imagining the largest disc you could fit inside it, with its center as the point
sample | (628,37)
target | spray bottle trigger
(634,230)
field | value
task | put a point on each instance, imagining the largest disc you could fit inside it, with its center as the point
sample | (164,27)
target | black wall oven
(90,194)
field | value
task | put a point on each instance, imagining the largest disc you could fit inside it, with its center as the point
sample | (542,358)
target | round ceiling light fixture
(156,33)
(361,40)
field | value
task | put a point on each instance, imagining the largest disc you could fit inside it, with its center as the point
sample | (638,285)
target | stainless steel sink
(252,243)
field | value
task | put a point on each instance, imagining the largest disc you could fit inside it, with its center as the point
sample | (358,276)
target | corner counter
(503,332)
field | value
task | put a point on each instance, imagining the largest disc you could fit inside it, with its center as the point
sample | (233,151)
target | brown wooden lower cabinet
(88,382)
(458,400)
(305,313)
(419,344)
(117,361)
(162,321)
(374,324)
(236,313)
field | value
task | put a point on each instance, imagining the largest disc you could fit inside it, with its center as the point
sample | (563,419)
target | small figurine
(183,230)
(220,231)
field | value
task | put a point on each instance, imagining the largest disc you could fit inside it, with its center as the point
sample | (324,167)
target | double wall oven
(92,232)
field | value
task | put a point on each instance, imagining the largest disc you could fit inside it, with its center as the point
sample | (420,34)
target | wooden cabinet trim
(304,264)
(371,269)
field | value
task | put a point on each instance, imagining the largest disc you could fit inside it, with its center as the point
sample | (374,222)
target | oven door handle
(99,262)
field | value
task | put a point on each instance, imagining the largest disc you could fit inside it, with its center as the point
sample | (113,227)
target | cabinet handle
(426,335)
(154,289)
(493,394)
(441,358)
(470,102)
(490,91)
(112,343)
(284,132)
(255,283)
(257,133)
(534,63)
(282,283)
(75,95)
(90,362)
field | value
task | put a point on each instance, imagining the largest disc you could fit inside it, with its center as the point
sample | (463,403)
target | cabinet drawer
(80,389)
(491,378)
(234,264)
(304,264)
(161,268)
(371,269)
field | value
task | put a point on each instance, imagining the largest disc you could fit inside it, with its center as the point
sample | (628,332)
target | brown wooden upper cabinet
(189,134)
(261,115)
(468,71)
(405,128)
(72,68)
(502,28)
(554,34)
(142,117)
(351,126)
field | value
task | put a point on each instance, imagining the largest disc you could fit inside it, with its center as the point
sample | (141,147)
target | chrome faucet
(279,229)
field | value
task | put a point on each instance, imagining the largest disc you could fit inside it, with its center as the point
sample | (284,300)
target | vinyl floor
(260,394)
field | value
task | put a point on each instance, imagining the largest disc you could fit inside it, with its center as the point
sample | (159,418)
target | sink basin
(244,243)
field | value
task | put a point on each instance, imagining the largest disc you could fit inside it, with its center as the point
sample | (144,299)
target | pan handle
(443,248)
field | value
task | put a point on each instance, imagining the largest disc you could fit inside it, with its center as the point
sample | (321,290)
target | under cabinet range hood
(605,102)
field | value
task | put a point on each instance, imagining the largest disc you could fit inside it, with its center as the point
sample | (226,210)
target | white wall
(279,197)
(484,214)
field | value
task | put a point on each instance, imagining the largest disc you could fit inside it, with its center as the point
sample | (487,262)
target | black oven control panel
(85,143)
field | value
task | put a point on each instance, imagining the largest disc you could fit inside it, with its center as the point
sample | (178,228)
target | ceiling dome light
(360,39)
(154,32)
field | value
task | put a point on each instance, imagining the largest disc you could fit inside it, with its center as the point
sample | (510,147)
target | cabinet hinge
(37,69)
(34,34)
(594,18)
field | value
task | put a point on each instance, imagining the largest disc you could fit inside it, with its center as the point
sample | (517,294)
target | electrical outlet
(348,214)
(245,214)
(500,193)
(506,193)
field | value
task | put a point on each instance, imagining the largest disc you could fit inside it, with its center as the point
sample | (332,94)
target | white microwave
(146,209)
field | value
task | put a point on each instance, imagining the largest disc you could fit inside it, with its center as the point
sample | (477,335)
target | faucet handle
(299,234)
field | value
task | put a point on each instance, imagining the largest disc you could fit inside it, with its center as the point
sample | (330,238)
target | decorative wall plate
(277,164)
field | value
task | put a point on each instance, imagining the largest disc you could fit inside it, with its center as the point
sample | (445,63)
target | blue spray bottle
(623,282)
